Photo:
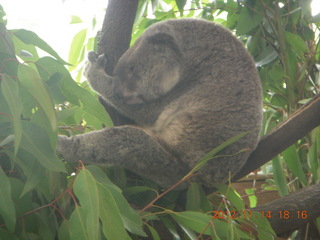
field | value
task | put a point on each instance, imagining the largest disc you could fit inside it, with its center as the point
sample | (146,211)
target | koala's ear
(161,41)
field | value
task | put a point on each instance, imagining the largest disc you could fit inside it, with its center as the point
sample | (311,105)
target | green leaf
(112,224)
(202,223)
(253,200)
(21,48)
(296,42)
(262,225)
(30,37)
(193,200)
(313,160)
(155,235)
(171,227)
(180,5)
(10,91)
(76,47)
(232,195)
(6,44)
(30,79)
(197,199)
(71,91)
(214,151)
(279,177)
(131,219)
(86,190)
(78,224)
(75,19)
(292,160)
(7,236)
(63,232)
(267,56)
(36,141)
(247,21)
(7,209)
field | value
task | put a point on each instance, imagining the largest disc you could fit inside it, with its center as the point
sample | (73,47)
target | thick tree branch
(117,30)
(114,40)
(293,211)
(283,136)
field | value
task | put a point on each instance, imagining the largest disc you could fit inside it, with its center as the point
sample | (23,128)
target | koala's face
(146,71)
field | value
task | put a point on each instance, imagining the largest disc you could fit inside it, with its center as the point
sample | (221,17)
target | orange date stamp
(247,214)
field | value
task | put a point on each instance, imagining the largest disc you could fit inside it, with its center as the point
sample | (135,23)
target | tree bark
(293,211)
(116,31)
(114,40)
(283,136)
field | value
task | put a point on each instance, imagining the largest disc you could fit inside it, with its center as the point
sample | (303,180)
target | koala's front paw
(95,63)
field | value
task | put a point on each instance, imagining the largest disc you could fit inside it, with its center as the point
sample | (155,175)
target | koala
(188,85)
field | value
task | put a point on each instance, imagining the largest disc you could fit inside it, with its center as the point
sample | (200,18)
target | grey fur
(189,85)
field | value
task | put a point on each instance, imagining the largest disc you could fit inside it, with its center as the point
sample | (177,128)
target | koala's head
(148,70)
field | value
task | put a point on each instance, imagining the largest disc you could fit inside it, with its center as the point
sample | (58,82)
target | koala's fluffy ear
(161,41)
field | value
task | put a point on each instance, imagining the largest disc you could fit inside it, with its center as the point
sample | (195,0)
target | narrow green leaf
(85,189)
(279,177)
(37,142)
(78,224)
(313,160)
(232,195)
(263,226)
(63,232)
(35,86)
(292,160)
(180,5)
(155,235)
(10,91)
(253,200)
(112,224)
(197,221)
(131,219)
(75,19)
(30,37)
(21,48)
(296,42)
(171,227)
(71,91)
(76,47)
(7,209)
(214,151)
(193,199)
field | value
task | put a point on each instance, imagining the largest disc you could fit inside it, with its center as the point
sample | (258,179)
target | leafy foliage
(43,198)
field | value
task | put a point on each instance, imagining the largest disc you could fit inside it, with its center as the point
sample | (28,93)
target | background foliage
(42,197)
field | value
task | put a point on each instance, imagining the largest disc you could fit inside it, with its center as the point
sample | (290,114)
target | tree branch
(307,200)
(283,136)
(114,40)
(117,30)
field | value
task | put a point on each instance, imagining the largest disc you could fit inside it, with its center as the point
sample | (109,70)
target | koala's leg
(126,146)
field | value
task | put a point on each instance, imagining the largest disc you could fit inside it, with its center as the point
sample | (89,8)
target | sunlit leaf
(30,79)
(32,38)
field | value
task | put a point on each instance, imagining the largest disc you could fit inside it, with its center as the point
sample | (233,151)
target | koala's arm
(126,146)
(96,75)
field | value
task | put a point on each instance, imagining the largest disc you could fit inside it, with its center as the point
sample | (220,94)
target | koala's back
(218,97)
